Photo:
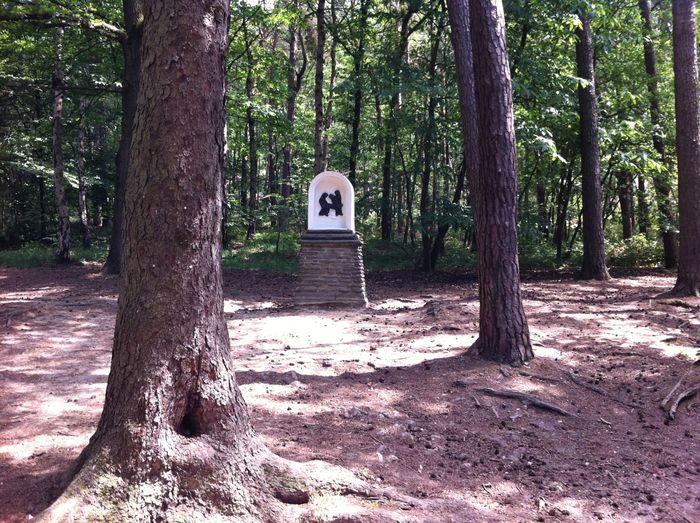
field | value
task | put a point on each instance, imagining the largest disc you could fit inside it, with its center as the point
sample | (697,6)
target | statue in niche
(336,204)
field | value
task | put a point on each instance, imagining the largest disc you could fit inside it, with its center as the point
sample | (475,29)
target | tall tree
(251,133)
(80,151)
(685,70)
(294,79)
(63,249)
(593,236)
(319,160)
(503,329)
(391,129)
(358,60)
(661,186)
(328,115)
(427,208)
(174,426)
(131,46)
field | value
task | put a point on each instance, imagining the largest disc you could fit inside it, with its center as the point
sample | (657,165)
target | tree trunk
(542,217)
(626,197)
(427,221)
(358,67)
(131,46)
(685,69)
(174,426)
(294,79)
(80,168)
(252,149)
(460,36)
(319,161)
(391,127)
(42,207)
(593,237)
(328,116)
(503,329)
(642,206)
(63,249)
(562,210)
(667,221)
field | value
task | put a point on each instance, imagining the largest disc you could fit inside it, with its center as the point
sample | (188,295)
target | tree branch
(59,20)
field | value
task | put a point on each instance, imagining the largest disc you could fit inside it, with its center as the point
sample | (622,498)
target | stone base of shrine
(331,270)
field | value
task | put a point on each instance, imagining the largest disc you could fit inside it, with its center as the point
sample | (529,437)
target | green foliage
(541,41)
(638,251)
(268,251)
(37,255)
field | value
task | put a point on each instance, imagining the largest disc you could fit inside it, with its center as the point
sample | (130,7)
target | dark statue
(336,204)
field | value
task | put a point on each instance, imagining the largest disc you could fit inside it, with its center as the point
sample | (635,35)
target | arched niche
(331,203)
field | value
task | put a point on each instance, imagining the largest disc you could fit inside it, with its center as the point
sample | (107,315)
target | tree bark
(685,69)
(131,45)
(174,426)
(319,161)
(593,237)
(80,168)
(667,221)
(63,248)
(503,329)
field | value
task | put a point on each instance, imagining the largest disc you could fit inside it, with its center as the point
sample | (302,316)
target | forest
(368,89)
(526,179)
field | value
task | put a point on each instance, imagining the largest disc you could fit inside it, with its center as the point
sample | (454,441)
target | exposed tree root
(578,381)
(528,398)
(205,481)
(681,290)
(670,407)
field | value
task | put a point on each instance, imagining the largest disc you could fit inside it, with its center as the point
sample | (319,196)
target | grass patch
(264,252)
(37,255)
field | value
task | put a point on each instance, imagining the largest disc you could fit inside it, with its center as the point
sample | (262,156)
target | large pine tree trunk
(131,46)
(63,249)
(685,69)
(667,222)
(503,329)
(174,442)
(80,169)
(593,236)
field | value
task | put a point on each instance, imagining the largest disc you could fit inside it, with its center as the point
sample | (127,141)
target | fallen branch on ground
(527,398)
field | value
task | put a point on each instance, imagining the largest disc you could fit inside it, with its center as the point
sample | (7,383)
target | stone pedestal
(331,270)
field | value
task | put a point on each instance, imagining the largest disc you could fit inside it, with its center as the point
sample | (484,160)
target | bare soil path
(388,393)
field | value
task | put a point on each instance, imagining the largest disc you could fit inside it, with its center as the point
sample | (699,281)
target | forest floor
(389,393)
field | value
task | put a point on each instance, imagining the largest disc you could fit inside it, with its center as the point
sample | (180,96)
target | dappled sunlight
(34,447)
(388,392)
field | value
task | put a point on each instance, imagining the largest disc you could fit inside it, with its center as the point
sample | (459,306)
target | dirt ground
(389,393)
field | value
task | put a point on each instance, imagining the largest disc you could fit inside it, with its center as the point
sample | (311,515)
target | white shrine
(331,269)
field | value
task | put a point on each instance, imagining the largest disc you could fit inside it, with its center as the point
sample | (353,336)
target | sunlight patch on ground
(547,352)
(398,304)
(29,448)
